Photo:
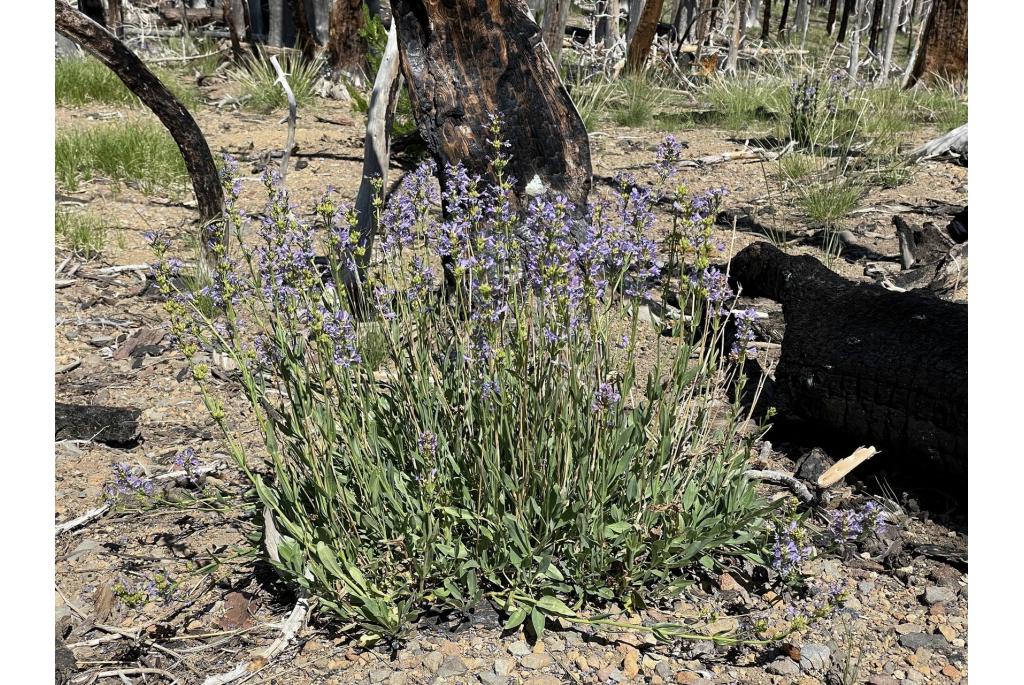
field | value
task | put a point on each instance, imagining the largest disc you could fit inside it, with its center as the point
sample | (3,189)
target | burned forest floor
(175,583)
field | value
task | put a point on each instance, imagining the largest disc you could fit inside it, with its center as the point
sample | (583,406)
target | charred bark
(643,36)
(140,80)
(844,21)
(468,59)
(831,20)
(347,51)
(110,425)
(873,365)
(942,47)
(304,40)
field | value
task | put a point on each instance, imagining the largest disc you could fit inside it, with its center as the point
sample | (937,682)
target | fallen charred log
(114,426)
(882,367)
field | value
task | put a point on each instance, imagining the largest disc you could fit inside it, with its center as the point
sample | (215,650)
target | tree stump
(465,60)
(881,367)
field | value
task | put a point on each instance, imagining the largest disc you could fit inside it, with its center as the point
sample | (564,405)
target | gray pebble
(815,657)
(936,594)
(783,666)
(916,641)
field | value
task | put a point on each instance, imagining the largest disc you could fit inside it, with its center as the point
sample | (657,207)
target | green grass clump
(81,81)
(829,201)
(137,152)
(592,101)
(639,98)
(83,233)
(259,81)
(743,102)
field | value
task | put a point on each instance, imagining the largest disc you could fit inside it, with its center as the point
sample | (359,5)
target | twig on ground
(70,366)
(802,492)
(120,672)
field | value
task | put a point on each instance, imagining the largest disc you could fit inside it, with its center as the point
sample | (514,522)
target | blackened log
(105,47)
(876,366)
(115,426)
(464,60)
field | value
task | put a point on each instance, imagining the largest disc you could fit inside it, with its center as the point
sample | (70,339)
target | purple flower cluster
(852,525)
(790,549)
(668,157)
(128,482)
(605,397)
(742,347)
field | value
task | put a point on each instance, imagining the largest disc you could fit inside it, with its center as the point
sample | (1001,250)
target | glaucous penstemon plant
(504,443)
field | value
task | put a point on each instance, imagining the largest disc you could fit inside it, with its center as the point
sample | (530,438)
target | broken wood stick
(802,492)
(843,467)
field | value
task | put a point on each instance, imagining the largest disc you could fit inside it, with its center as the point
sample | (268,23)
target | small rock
(783,666)
(379,675)
(815,657)
(432,661)
(489,678)
(866,587)
(916,641)
(536,661)
(723,625)
(948,632)
(519,648)
(687,678)
(451,666)
(503,666)
(907,628)
(951,672)
(664,669)
(631,663)
(936,594)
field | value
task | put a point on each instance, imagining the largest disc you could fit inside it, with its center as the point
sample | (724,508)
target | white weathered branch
(292,114)
(953,142)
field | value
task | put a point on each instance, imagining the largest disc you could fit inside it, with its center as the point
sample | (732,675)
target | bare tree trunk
(942,48)
(753,13)
(703,22)
(831,20)
(848,8)
(322,21)
(646,27)
(910,25)
(346,50)
(115,18)
(876,21)
(552,27)
(105,47)
(304,40)
(636,8)
(803,17)
(612,36)
(234,13)
(890,37)
(737,36)
(600,33)
(461,67)
(862,23)
(782,21)
(766,22)
(376,150)
(275,18)
(94,10)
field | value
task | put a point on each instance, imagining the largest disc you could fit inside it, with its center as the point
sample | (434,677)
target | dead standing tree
(105,47)
(643,35)
(465,60)
(942,47)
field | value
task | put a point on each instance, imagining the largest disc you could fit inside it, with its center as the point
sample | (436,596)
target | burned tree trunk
(115,18)
(831,20)
(848,7)
(552,27)
(942,47)
(765,28)
(347,51)
(465,60)
(94,10)
(643,36)
(304,40)
(140,80)
(889,368)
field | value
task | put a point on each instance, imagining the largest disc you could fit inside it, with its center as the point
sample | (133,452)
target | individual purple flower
(128,482)
(742,347)
(189,462)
